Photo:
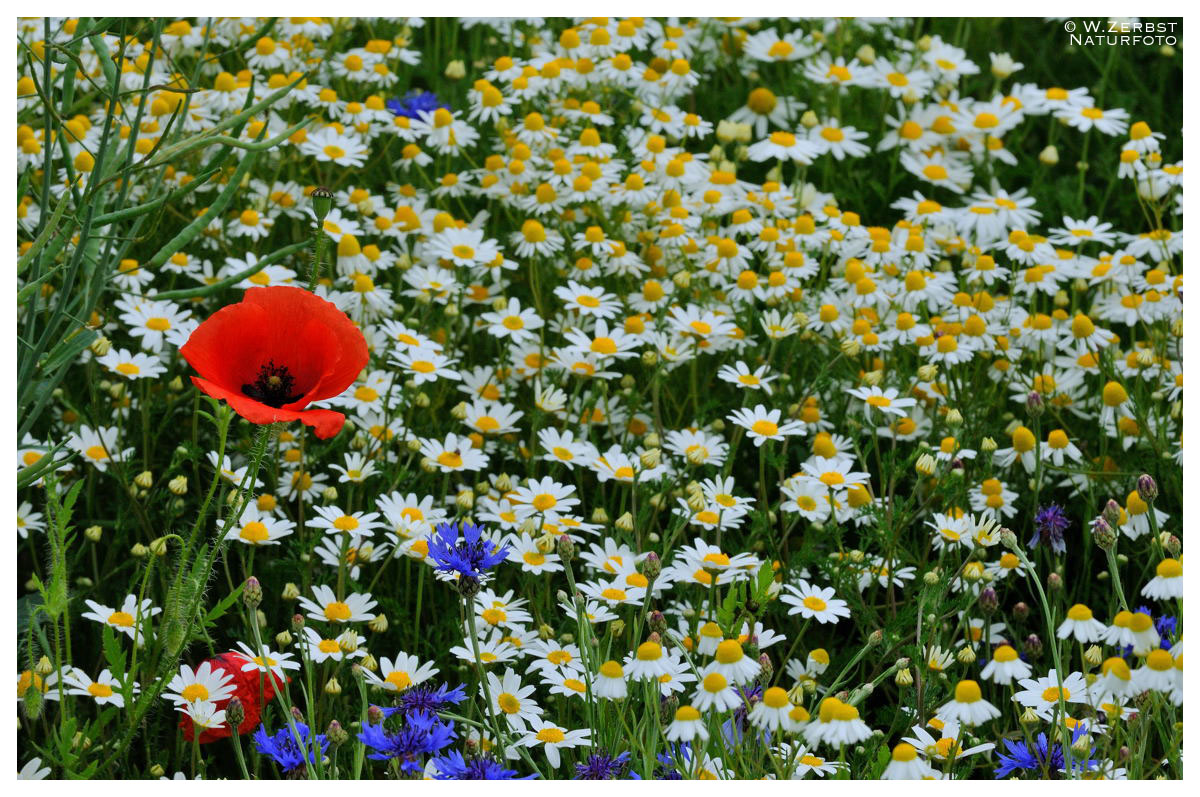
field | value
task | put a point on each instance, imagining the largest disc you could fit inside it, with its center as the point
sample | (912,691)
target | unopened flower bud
(954,418)
(297,623)
(810,119)
(100,346)
(290,592)
(656,621)
(876,638)
(926,465)
(378,623)
(1147,488)
(158,547)
(965,655)
(178,485)
(1112,513)
(1049,155)
(651,457)
(904,677)
(1054,582)
(1093,656)
(235,713)
(139,551)
(1034,406)
(283,639)
(651,566)
(1172,544)
(624,522)
(1020,611)
(599,515)
(252,593)
(988,445)
(456,70)
(1029,717)
(332,687)
(374,715)
(145,480)
(988,601)
(566,548)
(1009,538)
(93,533)
(1033,646)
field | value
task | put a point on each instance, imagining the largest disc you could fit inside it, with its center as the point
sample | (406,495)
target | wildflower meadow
(599,398)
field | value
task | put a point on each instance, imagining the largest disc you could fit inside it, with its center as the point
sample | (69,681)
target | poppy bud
(32,701)
(1147,488)
(322,202)
(252,593)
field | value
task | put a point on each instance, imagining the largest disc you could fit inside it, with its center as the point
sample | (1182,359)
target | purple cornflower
(462,548)
(1049,524)
(453,766)
(414,103)
(283,749)
(602,766)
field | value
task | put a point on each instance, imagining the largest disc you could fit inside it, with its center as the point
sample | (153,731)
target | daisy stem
(1111,553)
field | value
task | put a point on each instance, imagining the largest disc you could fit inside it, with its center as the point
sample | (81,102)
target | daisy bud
(1002,65)
(100,346)
(649,359)
(599,515)
(717,426)
(809,119)
(965,655)
(624,522)
(465,499)
(290,592)
(1147,488)
(1054,582)
(876,638)
(1049,155)
(682,279)
(93,533)
(1034,406)
(459,411)
(1093,656)
(329,494)
(1020,611)
(726,131)
(84,582)
(421,399)
(139,551)
(178,485)
(348,642)
(175,385)
(866,54)
(954,418)
(44,666)
(696,502)
(903,677)
(567,639)
(651,457)
(235,712)
(157,770)
(145,480)
(926,465)
(1033,646)
(927,373)
(428,465)
(283,638)
(379,623)
(332,687)
(873,378)
(850,347)
(616,628)
(1029,717)
(322,202)
(455,70)
(566,549)
(931,577)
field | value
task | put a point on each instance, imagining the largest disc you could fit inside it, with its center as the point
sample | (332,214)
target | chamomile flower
(354,608)
(968,706)
(814,603)
(762,424)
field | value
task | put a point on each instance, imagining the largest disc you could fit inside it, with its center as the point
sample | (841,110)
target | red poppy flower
(274,353)
(247,691)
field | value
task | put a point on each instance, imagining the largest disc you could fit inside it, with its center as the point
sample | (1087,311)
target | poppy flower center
(274,386)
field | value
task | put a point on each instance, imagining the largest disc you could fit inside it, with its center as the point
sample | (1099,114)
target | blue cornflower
(415,102)
(602,766)
(453,766)
(423,734)
(1049,523)
(462,548)
(282,746)
(427,699)
(1041,756)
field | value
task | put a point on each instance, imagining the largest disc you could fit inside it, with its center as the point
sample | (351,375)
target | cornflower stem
(283,697)
(236,739)
(1111,554)
(1052,641)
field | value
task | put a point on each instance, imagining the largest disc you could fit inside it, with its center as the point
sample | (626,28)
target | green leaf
(216,612)
(114,654)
